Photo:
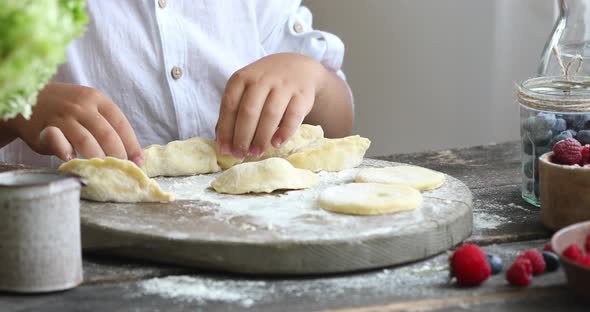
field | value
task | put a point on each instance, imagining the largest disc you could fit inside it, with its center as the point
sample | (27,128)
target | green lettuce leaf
(34,35)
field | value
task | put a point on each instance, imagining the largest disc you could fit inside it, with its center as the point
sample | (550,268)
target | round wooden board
(278,233)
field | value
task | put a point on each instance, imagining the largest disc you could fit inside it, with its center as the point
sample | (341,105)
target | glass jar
(551,109)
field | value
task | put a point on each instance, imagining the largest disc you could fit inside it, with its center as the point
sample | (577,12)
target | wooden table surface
(503,224)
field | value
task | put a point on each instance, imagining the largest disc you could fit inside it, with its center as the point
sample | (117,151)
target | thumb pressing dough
(417,177)
(302,137)
(180,158)
(263,176)
(331,154)
(369,198)
(117,180)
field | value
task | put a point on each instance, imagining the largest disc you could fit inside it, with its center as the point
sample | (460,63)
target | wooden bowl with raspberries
(572,244)
(564,183)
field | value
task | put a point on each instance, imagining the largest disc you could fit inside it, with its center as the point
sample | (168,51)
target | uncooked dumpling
(116,180)
(180,158)
(302,137)
(331,154)
(263,176)
(369,198)
(417,177)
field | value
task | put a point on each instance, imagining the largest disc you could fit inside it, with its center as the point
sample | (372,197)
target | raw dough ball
(263,176)
(331,154)
(302,137)
(180,158)
(117,180)
(417,177)
(369,198)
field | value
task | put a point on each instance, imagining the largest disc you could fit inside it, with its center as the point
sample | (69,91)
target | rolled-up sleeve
(295,34)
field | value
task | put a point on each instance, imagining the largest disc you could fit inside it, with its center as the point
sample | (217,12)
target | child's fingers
(105,135)
(52,141)
(121,125)
(82,140)
(247,119)
(271,116)
(228,111)
(294,115)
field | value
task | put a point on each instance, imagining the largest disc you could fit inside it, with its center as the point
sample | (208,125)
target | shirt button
(297,27)
(176,72)
(162,3)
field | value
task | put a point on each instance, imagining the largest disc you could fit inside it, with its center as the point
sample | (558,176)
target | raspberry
(587,245)
(548,247)
(518,273)
(584,261)
(527,263)
(469,265)
(567,152)
(536,259)
(573,252)
(585,155)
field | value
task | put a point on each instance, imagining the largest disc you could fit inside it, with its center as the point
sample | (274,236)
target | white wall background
(434,74)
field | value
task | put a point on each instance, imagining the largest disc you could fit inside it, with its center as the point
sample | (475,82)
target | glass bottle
(568,47)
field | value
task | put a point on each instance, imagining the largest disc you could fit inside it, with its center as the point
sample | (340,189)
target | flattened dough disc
(369,198)
(420,178)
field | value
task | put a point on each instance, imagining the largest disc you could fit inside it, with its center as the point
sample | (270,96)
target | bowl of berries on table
(572,244)
(564,182)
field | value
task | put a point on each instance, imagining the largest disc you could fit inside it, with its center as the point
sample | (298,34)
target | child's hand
(71,118)
(277,91)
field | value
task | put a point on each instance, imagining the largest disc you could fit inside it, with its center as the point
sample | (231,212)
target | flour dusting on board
(200,213)
(267,211)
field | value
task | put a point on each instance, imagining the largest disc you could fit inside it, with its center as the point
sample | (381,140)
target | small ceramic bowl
(565,193)
(578,277)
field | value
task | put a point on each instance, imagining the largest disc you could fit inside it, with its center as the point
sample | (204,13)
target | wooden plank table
(503,223)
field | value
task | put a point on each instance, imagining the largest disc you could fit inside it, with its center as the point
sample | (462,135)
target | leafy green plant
(34,35)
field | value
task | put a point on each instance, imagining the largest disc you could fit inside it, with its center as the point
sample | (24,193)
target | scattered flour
(249,292)
(488,221)
(202,290)
(513,205)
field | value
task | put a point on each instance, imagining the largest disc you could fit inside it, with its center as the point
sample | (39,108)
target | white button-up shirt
(166,63)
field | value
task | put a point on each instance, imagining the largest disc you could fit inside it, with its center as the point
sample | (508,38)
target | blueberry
(527,146)
(540,123)
(559,126)
(529,171)
(562,136)
(529,123)
(540,150)
(576,122)
(583,136)
(551,261)
(573,132)
(495,263)
(541,138)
